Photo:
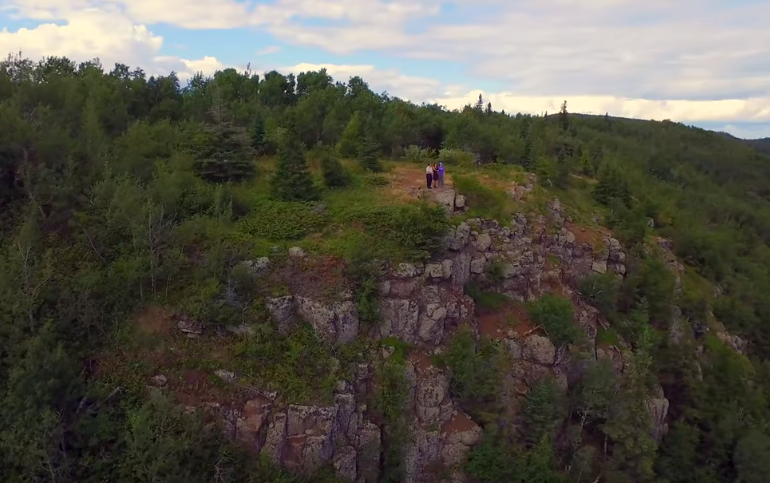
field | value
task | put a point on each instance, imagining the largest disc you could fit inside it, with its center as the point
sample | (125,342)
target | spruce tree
(367,154)
(526,157)
(351,137)
(258,135)
(564,117)
(292,180)
(226,153)
(335,175)
(480,104)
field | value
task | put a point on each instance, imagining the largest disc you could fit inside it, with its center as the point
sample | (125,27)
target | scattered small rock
(159,381)
(297,252)
(226,376)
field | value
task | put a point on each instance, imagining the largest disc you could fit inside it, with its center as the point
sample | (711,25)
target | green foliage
(224,150)
(602,292)
(282,220)
(334,174)
(611,186)
(555,314)
(496,461)
(416,154)
(456,157)
(291,180)
(483,200)
(390,399)
(542,411)
(485,299)
(367,154)
(476,374)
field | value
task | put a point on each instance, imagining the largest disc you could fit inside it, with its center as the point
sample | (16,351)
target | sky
(701,62)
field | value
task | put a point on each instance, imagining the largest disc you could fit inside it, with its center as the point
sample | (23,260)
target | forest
(119,191)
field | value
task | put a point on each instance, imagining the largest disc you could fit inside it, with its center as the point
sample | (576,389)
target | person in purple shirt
(441,175)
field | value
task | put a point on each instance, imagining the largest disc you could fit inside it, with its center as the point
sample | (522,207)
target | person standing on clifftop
(441,175)
(429,175)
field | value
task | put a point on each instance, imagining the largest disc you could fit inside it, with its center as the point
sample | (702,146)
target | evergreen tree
(480,104)
(526,157)
(225,151)
(564,117)
(489,108)
(334,173)
(352,137)
(292,180)
(611,185)
(367,154)
(258,134)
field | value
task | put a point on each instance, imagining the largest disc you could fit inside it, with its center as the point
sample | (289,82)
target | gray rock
(335,322)
(281,310)
(226,376)
(483,242)
(244,330)
(406,270)
(538,349)
(159,381)
(460,202)
(478,265)
(599,266)
(256,267)
(434,270)
(297,252)
(657,406)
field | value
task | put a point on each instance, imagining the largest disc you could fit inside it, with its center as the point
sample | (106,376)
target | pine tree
(292,180)
(526,157)
(226,153)
(480,104)
(564,117)
(334,173)
(258,134)
(352,136)
(367,154)
(489,108)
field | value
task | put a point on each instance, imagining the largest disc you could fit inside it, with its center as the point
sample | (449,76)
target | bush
(456,157)
(602,292)
(483,200)
(476,373)
(283,220)
(555,314)
(335,175)
(416,154)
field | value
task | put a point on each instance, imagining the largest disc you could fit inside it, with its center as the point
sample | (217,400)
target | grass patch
(484,201)
(484,299)
(283,220)
(607,337)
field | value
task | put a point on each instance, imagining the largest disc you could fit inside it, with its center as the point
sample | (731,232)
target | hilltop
(247,279)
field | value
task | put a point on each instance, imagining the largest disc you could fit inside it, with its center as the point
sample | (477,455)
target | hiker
(429,175)
(441,174)
(435,175)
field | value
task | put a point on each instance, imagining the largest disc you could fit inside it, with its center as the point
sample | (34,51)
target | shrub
(456,157)
(335,175)
(555,314)
(602,292)
(483,200)
(282,220)
(476,373)
(416,154)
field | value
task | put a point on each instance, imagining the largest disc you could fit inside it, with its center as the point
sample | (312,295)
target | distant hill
(761,145)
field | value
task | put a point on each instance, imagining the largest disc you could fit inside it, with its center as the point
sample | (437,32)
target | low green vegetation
(555,314)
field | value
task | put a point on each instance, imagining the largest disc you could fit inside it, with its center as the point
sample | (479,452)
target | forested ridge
(120,191)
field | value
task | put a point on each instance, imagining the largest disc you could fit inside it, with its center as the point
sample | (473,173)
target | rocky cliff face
(423,305)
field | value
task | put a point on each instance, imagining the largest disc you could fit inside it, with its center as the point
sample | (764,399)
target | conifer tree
(334,173)
(226,152)
(480,104)
(351,137)
(564,117)
(367,154)
(258,134)
(292,180)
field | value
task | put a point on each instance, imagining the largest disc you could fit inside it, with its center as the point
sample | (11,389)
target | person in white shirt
(429,175)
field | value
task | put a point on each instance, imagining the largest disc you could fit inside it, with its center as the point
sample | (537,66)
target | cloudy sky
(701,62)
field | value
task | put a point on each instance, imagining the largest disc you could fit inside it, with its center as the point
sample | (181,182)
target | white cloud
(107,35)
(625,57)
(731,110)
(270,49)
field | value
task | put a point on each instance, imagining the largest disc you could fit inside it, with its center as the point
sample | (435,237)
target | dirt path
(408,181)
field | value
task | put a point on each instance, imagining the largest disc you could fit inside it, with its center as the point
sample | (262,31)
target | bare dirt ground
(407,182)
